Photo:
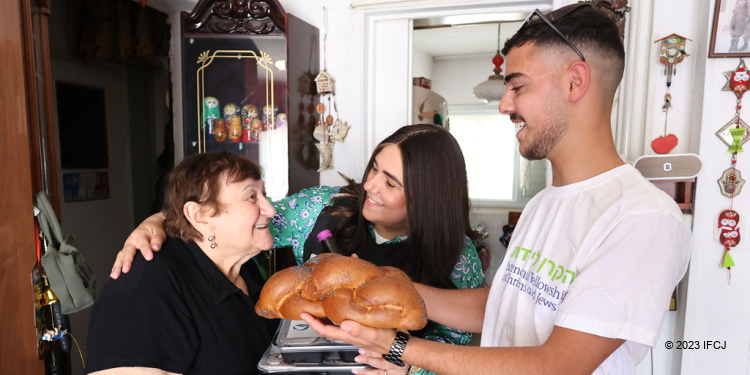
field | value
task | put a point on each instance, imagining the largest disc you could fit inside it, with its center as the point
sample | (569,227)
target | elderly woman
(190,310)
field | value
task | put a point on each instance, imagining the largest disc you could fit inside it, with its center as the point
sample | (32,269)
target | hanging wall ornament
(339,130)
(329,128)
(671,53)
(725,133)
(729,236)
(737,80)
(731,182)
(733,134)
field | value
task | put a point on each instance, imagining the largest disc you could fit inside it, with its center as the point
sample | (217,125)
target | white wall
(714,308)
(455,78)
(421,64)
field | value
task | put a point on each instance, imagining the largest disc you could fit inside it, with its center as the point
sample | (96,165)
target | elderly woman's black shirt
(179,313)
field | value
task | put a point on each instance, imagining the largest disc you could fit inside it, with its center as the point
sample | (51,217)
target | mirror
(451,55)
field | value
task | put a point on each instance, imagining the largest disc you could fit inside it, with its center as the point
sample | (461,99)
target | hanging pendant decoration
(671,53)
(329,128)
(725,133)
(734,134)
(729,235)
(731,182)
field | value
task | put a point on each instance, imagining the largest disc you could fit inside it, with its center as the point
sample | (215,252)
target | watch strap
(397,349)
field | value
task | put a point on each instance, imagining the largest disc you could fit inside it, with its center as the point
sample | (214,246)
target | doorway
(101,201)
(100,223)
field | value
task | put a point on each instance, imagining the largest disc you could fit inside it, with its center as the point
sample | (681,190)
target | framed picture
(730,33)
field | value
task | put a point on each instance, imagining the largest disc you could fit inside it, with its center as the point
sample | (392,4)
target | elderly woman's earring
(211,240)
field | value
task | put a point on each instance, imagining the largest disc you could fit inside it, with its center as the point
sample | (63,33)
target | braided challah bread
(344,288)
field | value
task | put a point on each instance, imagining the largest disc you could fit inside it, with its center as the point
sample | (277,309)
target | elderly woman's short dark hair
(199,178)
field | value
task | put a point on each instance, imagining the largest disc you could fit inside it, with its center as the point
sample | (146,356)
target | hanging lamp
(493,89)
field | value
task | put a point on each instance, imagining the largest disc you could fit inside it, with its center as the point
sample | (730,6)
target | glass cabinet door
(252,94)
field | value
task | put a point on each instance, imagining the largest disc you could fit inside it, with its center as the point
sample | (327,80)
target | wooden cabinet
(248,70)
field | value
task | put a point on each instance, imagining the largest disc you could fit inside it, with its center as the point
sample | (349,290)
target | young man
(594,258)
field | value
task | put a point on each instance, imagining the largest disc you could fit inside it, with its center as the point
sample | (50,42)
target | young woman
(411,211)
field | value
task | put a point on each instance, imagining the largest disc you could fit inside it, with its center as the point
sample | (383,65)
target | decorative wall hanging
(725,133)
(731,181)
(729,32)
(671,53)
(329,127)
(729,236)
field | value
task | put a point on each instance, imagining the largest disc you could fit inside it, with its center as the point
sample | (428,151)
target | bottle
(329,244)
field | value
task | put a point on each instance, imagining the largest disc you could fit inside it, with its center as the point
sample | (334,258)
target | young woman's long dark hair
(437,204)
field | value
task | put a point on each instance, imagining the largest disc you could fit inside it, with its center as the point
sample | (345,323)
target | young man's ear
(580,78)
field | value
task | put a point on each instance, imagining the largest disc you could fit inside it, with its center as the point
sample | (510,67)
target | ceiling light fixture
(493,89)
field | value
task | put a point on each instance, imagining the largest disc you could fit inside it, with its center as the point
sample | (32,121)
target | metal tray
(298,343)
(273,362)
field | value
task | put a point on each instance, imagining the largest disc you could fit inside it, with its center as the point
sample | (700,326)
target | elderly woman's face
(243,223)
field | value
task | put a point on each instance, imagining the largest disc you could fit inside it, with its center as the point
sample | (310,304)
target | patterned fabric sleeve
(467,274)
(296,216)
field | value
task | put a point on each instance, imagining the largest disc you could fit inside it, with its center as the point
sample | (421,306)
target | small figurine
(246,129)
(249,113)
(229,110)
(210,113)
(255,129)
(53,334)
(246,136)
(220,130)
(249,110)
(268,114)
(280,120)
(235,128)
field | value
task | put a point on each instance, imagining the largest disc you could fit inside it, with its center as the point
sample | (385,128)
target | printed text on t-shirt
(536,282)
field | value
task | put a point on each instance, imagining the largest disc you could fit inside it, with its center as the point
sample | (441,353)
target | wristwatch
(397,349)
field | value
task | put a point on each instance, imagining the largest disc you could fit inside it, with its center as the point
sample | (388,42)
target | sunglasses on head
(554,16)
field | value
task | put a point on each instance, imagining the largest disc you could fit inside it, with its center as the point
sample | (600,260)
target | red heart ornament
(663,145)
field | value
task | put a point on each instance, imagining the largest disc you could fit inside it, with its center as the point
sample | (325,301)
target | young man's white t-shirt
(600,256)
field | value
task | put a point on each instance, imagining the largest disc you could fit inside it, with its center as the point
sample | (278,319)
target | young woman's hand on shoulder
(147,238)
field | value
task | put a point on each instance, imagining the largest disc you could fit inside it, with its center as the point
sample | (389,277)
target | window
(498,175)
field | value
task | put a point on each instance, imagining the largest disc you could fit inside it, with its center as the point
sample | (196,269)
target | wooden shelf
(680,190)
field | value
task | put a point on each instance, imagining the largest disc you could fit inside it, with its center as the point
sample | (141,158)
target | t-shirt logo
(545,281)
